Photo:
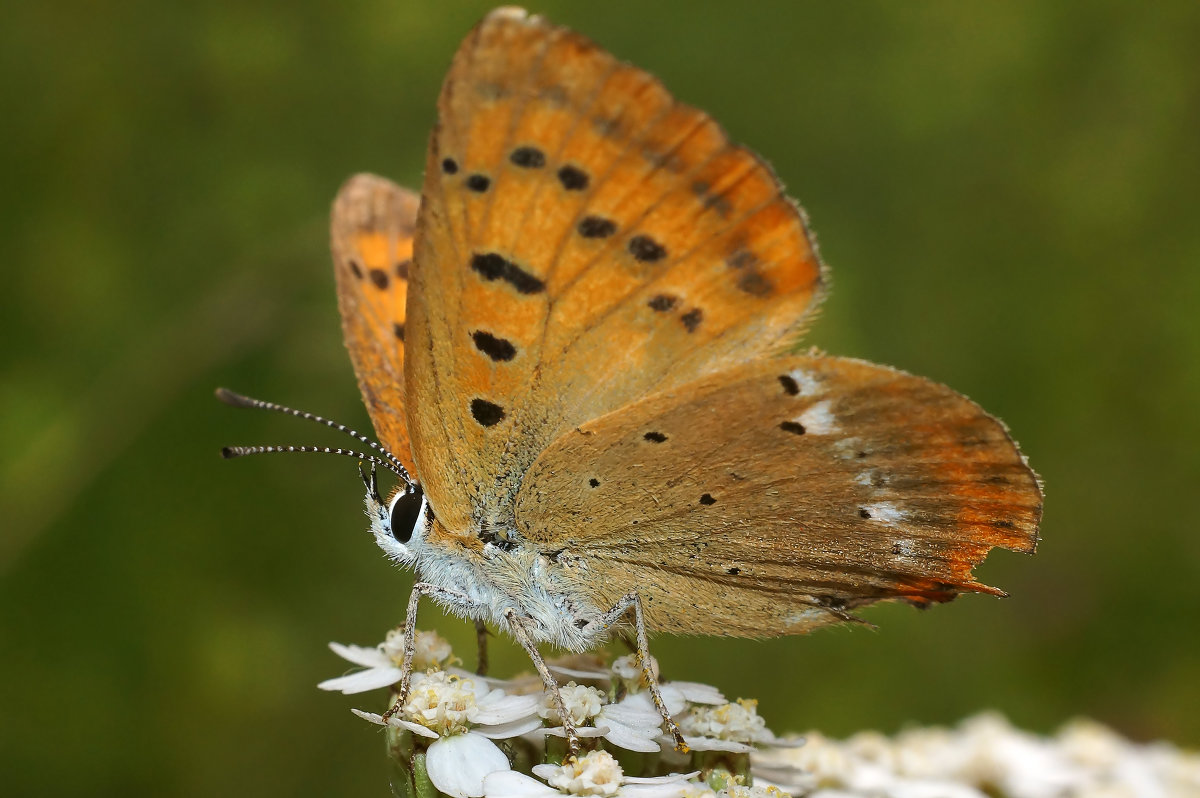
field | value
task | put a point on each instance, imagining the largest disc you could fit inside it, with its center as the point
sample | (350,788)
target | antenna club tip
(234,399)
(229,452)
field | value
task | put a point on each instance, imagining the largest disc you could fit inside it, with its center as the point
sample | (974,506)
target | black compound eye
(405,510)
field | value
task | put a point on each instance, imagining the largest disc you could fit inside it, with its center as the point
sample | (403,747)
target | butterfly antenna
(387,459)
(230,452)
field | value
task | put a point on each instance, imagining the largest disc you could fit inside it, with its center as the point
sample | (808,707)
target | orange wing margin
(371,230)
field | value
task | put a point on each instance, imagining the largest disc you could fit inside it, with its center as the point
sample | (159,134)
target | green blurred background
(1006,193)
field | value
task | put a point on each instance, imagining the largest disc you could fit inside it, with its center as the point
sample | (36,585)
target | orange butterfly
(575,348)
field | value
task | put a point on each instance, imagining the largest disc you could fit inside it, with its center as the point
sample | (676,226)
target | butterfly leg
(481,642)
(410,636)
(522,635)
(614,616)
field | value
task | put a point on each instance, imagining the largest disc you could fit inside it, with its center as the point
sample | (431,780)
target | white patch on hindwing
(885,512)
(807,383)
(817,419)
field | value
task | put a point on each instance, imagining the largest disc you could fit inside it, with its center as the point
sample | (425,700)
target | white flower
(633,727)
(462,717)
(627,672)
(983,756)
(383,662)
(593,774)
(1014,761)
(729,727)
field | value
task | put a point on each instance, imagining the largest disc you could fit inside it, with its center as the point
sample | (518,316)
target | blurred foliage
(1007,194)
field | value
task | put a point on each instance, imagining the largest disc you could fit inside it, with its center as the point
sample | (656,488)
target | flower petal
(361,655)
(415,728)
(496,707)
(674,700)
(572,673)
(667,779)
(696,692)
(632,739)
(362,681)
(511,784)
(457,765)
(714,744)
(503,731)
(370,717)
(545,770)
(636,715)
(580,731)
(670,789)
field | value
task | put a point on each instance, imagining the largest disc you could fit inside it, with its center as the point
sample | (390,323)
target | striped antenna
(230,452)
(387,459)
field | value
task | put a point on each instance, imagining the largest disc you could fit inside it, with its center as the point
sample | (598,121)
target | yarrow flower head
(382,662)
(735,727)
(630,679)
(461,716)
(594,774)
(984,756)
(630,726)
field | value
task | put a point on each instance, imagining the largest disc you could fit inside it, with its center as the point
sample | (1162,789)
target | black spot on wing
(398,330)
(663,302)
(707,500)
(487,413)
(491,267)
(794,427)
(595,483)
(355,269)
(449,166)
(573,178)
(655,437)
(691,319)
(492,346)
(479,183)
(402,268)
(596,227)
(790,386)
(754,284)
(380,278)
(528,157)
(646,250)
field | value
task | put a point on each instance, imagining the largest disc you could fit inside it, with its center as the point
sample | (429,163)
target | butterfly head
(399,524)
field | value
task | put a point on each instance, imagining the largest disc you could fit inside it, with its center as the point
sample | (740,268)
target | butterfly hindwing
(585,239)
(372,226)
(780,494)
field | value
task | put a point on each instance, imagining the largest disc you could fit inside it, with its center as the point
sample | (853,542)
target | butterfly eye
(405,509)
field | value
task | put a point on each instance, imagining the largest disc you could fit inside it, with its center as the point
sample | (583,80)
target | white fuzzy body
(519,579)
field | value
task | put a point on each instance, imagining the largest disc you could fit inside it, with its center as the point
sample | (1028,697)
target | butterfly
(577,348)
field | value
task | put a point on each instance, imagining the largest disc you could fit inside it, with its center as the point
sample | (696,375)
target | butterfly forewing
(372,238)
(585,239)
(775,496)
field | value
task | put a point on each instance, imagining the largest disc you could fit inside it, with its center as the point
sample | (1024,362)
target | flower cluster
(477,737)
(984,756)
(455,718)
